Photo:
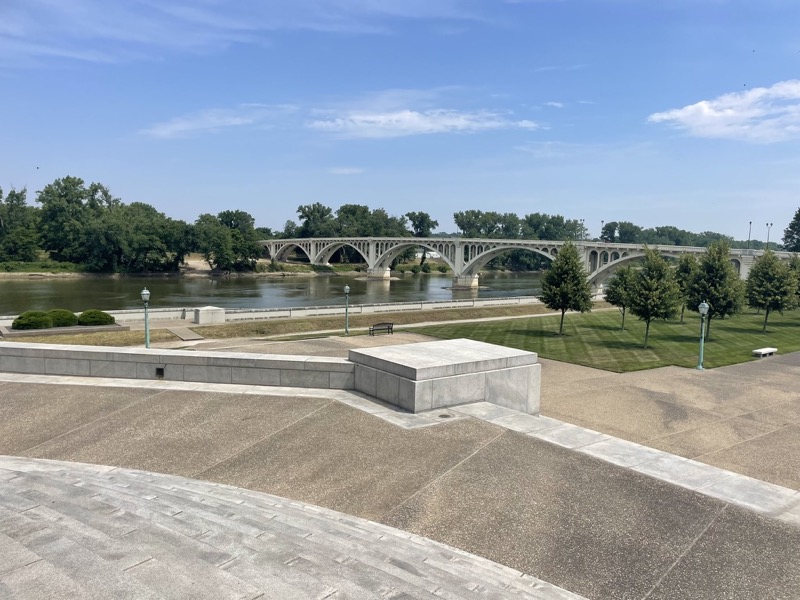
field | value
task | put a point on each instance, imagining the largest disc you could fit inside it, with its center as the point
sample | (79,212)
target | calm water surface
(19,295)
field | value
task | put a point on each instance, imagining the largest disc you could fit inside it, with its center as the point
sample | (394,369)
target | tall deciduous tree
(791,235)
(684,275)
(18,237)
(656,294)
(628,232)
(564,284)
(771,285)
(620,289)
(717,283)
(422,225)
(316,220)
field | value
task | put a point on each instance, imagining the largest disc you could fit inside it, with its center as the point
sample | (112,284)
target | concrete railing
(257,314)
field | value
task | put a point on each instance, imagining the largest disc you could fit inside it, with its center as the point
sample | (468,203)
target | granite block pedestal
(429,375)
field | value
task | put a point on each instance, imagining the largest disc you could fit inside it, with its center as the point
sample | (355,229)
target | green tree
(794,267)
(422,225)
(717,283)
(628,232)
(655,293)
(564,284)
(771,285)
(214,241)
(620,288)
(791,235)
(684,275)
(316,220)
(609,232)
(18,223)
(244,239)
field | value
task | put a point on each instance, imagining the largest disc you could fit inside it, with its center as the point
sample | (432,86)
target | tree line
(84,224)
(656,290)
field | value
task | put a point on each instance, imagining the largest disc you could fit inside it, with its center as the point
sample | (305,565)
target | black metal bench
(381,327)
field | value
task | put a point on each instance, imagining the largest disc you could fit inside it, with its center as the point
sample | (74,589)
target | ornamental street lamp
(769,226)
(346,310)
(146,300)
(703,310)
(749,231)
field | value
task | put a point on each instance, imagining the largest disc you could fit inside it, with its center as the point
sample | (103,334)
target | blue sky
(660,112)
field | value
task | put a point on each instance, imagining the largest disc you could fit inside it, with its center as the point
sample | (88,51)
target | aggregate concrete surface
(591,527)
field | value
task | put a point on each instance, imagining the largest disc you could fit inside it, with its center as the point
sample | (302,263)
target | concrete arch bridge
(467,256)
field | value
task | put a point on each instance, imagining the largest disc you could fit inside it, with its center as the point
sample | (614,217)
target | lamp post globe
(703,310)
(346,310)
(146,299)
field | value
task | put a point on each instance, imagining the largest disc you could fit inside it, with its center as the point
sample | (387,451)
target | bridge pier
(379,273)
(465,282)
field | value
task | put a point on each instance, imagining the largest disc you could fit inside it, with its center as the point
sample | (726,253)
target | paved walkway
(72,530)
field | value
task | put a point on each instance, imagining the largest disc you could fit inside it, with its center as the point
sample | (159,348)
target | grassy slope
(595,339)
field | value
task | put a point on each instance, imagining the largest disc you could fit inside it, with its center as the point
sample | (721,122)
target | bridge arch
(284,250)
(443,249)
(482,256)
(325,253)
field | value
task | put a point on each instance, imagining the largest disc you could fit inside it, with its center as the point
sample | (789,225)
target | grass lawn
(595,339)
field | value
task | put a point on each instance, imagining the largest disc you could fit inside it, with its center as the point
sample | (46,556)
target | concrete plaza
(537,496)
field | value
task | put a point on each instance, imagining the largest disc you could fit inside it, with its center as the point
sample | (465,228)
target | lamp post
(769,226)
(146,300)
(703,310)
(749,231)
(347,310)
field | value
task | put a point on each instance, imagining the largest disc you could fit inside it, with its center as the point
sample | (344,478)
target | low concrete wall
(233,315)
(178,365)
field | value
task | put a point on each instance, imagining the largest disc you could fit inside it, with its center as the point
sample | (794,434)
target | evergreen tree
(656,294)
(684,275)
(791,235)
(717,283)
(619,290)
(794,267)
(771,285)
(564,284)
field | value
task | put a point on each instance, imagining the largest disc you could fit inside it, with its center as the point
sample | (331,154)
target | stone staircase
(71,530)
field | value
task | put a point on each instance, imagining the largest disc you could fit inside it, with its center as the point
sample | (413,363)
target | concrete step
(164,536)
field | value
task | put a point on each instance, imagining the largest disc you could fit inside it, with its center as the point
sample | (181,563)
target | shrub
(415,269)
(33,319)
(426,267)
(95,317)
(62,317)
(443,268)
(400,269)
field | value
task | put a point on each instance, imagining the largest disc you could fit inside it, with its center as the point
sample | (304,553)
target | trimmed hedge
(95,317)
(62,317)
(33,319)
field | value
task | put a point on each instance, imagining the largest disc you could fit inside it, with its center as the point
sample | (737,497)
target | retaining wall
(178,365)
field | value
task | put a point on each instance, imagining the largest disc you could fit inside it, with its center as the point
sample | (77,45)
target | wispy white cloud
(217,120)
(98,30)
(555,104)
(389,113)
(345,171)
(765,114)
(408,122)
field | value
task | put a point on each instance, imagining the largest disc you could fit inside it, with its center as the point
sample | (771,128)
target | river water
(107,293)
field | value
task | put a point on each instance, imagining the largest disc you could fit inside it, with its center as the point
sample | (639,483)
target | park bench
(762,352)
(381,327)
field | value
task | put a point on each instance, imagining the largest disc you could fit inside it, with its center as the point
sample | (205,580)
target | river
(117,293)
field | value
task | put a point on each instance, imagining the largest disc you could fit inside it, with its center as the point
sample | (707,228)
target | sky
(659,112)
